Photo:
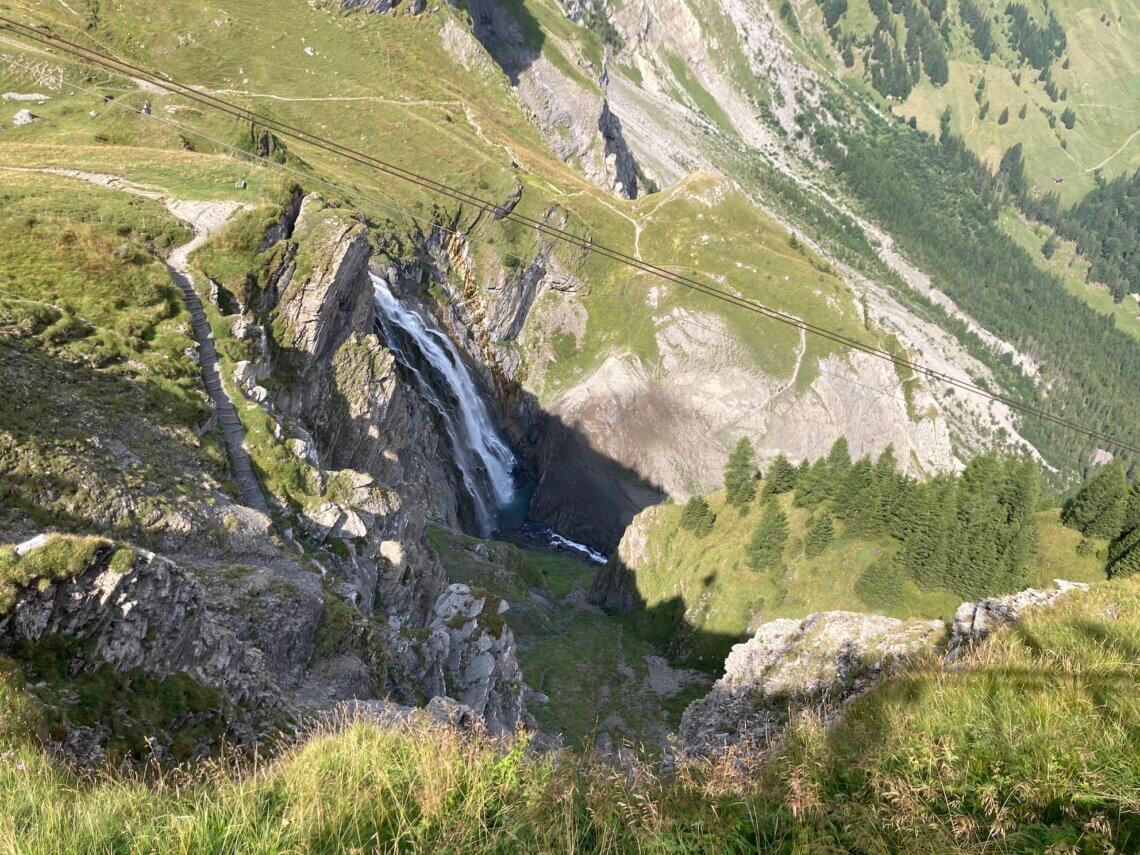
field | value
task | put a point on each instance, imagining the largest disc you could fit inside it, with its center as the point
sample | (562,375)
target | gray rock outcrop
(973,621)
(153,618)
(343,400)
(820,662)
(576,120)
(792,665)
(615,585)
(470,656)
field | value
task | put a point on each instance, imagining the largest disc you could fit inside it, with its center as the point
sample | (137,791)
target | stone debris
(25,96)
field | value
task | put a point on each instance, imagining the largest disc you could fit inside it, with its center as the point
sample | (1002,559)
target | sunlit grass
(1029,741)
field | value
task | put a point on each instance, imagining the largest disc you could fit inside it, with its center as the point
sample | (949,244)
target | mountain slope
(1025,741)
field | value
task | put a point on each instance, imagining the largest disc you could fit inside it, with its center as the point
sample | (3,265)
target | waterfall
(484,460)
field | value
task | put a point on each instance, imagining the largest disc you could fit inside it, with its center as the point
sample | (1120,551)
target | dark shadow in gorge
(663,624)
(581,492)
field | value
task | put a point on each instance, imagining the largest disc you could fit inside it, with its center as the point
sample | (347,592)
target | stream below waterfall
(496,485)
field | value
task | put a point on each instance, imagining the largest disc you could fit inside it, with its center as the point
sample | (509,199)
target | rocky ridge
(819,663)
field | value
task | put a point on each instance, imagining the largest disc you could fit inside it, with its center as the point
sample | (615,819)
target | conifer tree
(1098,509)
(925,551)
(850,489)
(819,535)
(1124,555)
(1124,552)
(1132,508)
(875,505)
(839,458)
(781,477)
(740,474)
(697,516)
(767,544)
(1019,499)
(814,486)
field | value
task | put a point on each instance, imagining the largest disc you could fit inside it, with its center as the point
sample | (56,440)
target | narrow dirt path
(232,433)
(1123,146)
(205,218)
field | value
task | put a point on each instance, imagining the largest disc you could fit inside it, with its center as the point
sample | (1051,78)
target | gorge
(497,488)
(550,425)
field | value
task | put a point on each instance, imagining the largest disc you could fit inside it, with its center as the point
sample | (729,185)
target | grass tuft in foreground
(1028,742)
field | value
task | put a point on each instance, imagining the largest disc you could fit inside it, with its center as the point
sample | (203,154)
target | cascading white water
(483,459)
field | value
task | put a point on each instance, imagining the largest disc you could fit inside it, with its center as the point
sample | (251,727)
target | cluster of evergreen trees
(971,533)
(1108,508)
(950,229)
(1035,44)
(980,26)
(1106,227)
(895,69)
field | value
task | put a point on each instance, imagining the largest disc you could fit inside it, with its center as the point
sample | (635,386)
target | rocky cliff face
(155,616)
(632,433)
(339,389)
(576,119)
(336,389)
(791,665)
(233,605)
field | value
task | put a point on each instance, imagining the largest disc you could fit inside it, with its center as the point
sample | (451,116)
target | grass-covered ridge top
(1024,743)
(58,557)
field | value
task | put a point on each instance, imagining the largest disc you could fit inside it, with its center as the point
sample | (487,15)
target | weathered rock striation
(155,618)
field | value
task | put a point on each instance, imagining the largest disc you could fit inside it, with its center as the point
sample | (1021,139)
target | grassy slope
(709,581)
(1027,742)
(432,114)
(1103,82)
(594,667)
(1073,271)
(93,333)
